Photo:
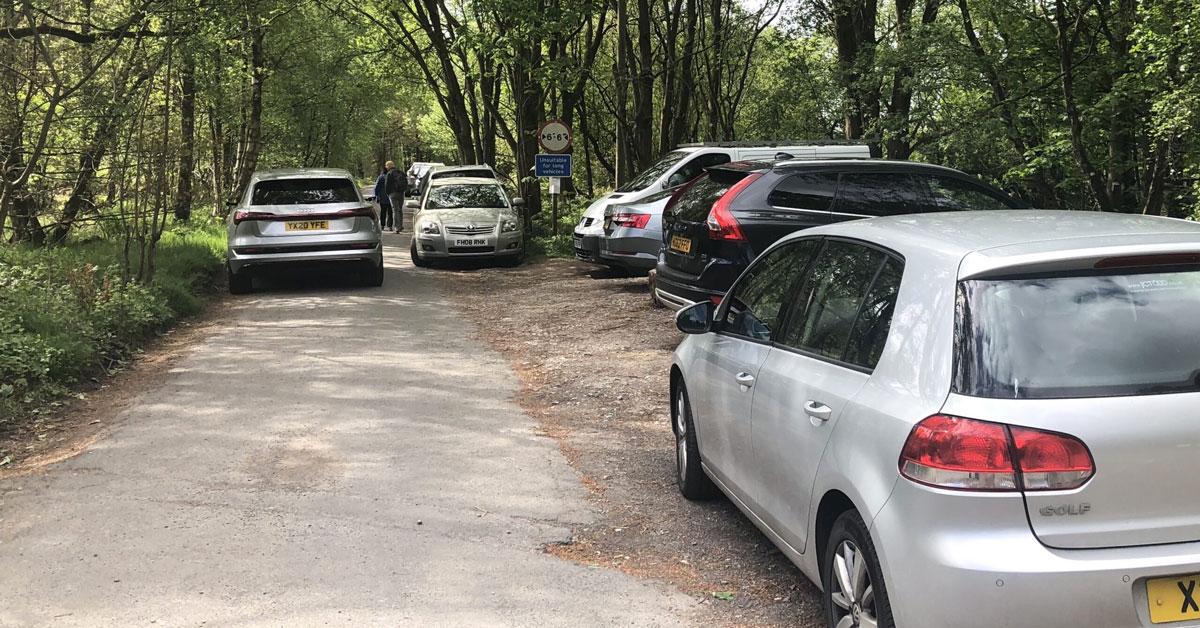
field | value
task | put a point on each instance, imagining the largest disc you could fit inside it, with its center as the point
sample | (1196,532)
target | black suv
(721,221)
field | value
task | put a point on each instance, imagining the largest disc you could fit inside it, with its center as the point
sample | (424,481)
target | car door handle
(744,379)
(818,410)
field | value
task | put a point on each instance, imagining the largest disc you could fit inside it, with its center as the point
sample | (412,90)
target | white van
(688,162)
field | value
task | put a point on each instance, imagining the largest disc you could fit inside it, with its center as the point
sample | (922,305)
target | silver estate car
(962,419)
(466,217)
(302,217)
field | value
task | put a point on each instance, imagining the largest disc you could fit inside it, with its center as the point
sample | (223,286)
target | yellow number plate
(683,245)
(306,225)
(1174,599)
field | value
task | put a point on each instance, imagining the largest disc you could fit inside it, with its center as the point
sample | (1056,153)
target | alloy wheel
(681,446)
(852,591)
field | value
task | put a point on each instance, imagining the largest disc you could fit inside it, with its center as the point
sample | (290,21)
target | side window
(825,310)
(881,194)
(757,301)
(870,331)
(813,191)
(695,168)
(950,193)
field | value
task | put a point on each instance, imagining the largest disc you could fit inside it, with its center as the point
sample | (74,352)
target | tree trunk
(643,93)
(187,136)
(249,160)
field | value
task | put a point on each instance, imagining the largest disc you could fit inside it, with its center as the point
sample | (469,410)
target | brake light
(1049,461)
(722,225)
(631,219)
(965,454)
(1164,259)
(242,215)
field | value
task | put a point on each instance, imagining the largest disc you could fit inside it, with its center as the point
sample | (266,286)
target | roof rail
(770,143)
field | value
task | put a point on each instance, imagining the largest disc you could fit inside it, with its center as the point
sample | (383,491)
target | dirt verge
(593,357)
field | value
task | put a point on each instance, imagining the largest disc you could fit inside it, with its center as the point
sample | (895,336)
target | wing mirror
(412,203)
(518,201)
(697,318)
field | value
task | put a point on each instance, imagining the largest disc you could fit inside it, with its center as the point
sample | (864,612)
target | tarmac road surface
(331,455)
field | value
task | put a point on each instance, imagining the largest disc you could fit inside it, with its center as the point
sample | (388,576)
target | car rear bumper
(639,252)
(671,290)
(262,255)
(953,559)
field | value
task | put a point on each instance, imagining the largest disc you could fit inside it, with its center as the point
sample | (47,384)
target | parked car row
(946,409)
(320,217)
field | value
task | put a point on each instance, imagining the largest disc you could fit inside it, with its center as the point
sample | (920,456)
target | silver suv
(303,217)
(962,419)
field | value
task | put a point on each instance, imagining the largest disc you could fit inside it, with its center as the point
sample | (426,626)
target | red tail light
(722,225)
(965,454)
(1050,461)
(242,215)
(631,219)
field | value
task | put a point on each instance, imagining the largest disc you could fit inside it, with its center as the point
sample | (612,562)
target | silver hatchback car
(962,419)
(303,217)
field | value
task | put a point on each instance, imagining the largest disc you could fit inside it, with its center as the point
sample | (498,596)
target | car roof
(444,181)
(985,241)
(441,169)
(301,173)
(864,163)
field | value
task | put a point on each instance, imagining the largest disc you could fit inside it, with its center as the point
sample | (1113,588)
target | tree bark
(187,136)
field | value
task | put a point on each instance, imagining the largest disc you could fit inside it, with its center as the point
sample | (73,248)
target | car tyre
(239,283)
(372,277)
(416,257)
(693,482)
(854,586)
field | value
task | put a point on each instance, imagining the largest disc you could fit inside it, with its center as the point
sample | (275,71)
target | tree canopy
(120,115)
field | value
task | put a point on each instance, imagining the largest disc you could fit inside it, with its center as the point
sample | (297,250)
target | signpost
(554,136)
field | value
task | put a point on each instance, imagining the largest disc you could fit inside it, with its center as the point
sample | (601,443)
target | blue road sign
(547,165)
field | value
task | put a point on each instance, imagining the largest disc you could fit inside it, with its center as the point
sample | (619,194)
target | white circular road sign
(554,136)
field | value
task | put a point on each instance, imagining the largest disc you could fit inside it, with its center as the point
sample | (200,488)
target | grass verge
(66,314)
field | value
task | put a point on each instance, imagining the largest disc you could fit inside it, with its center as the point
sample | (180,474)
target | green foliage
(543,243)
(67,311)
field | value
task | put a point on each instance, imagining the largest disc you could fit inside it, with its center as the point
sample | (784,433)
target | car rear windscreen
(304,191)
(697,200)
(1095,335)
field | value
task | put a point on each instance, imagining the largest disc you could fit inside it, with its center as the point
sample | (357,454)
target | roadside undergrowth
(69,318)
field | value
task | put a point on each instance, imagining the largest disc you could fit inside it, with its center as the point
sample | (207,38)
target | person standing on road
(395,183)
(385,203)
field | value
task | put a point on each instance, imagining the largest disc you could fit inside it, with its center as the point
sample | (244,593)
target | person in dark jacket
(395,184)
(385,203)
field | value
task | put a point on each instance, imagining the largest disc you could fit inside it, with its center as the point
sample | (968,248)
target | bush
(545,244)
(66,311)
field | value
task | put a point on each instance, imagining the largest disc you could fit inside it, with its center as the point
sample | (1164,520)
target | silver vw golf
(303,217)
(962,419)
